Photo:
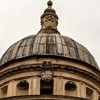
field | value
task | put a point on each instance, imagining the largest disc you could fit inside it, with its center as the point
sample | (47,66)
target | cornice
(43,97)
(55,67)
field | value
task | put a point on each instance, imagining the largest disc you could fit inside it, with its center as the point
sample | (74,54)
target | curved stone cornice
(43,97)
(38,67)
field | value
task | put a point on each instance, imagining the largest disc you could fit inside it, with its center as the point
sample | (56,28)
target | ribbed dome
(48,42)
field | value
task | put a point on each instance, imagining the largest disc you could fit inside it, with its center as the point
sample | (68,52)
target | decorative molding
(47,71)
(43,97)
(20,69)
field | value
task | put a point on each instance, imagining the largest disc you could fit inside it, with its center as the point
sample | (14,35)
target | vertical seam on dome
(18,48)
(24,47)
(66,38)
(39,43)
(32,44)
(76,49)
(62,45)
(55,43)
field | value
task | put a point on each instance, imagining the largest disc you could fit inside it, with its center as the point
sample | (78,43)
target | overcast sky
(78,19)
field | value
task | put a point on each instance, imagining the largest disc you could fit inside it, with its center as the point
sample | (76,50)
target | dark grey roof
(48,42)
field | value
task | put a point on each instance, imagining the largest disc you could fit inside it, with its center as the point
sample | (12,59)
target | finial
(49,19)
(50,3)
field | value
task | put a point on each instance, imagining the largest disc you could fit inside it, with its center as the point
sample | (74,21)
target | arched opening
(4,91)
(99,98)
(89,93)
(22,88)
(46,88)
(70,89)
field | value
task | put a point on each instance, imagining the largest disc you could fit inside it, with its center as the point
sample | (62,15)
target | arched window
(46,87)
(70,88)
(22,88)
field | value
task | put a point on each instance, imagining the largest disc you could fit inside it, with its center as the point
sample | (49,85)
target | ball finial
(49,3)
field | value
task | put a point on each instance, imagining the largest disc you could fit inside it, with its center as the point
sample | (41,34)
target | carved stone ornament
(47,76)
(47,65)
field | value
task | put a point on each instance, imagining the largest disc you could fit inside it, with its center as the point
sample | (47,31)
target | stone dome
(48,42)
(48,66)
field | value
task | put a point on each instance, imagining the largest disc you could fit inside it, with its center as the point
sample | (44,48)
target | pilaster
(83,90)
(11,89)
(34,88)
(58,86)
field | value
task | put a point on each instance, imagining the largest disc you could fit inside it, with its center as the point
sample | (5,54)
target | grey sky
(78,19)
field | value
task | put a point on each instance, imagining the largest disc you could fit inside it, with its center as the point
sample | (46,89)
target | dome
(48,66)
(48,42)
